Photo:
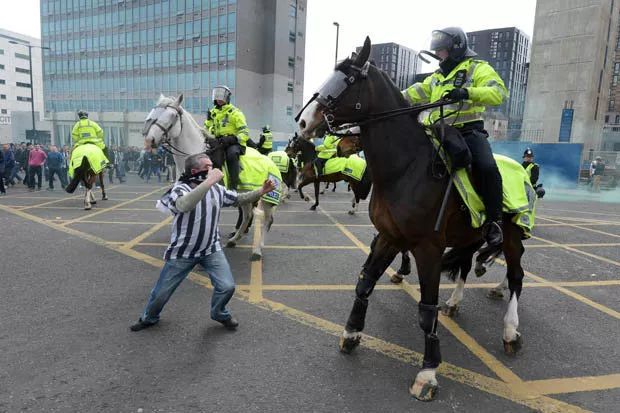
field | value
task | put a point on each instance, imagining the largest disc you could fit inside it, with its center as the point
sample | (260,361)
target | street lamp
(29,46)
(337,31)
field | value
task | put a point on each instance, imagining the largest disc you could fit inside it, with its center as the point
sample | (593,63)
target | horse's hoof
(480,269)
(313,208)
(449,310)
(105,198)
(231,244)
(511,348)
(88,208)
(424,387)
(93,202)
(322,193)
(255,257)
(307,199)
(495,294)
(351,212)
(396,278)
(348,342)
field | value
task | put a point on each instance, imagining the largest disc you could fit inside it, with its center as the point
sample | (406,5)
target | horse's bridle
(330,94)
(166,140)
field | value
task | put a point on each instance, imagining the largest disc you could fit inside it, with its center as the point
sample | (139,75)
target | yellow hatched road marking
(586,228)
(517,394)
(576,384)
(111,208)
(146,234)
(256,268)
(569,248)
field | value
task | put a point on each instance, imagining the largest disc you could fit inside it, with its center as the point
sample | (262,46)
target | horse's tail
(459,259)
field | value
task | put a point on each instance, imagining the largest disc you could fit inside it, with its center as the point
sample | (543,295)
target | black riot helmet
(82,114)
(454,40)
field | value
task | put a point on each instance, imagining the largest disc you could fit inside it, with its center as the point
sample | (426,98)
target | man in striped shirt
(195,202)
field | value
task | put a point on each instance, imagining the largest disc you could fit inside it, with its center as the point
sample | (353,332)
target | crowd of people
(38,166)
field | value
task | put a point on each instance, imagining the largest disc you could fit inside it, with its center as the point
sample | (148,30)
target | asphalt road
(73,281)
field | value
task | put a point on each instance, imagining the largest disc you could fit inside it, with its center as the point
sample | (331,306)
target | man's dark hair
(193,162)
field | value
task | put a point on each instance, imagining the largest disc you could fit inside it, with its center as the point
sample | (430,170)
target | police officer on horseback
(325,152)
(227,122)
(474,84)
(88,131)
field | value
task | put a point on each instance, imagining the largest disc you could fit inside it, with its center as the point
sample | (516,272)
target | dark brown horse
(305,151)
(405,203)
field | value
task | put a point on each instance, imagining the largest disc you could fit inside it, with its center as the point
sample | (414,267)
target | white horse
(170,125)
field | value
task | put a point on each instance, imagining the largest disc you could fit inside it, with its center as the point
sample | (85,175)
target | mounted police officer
(88,131)
(265,143)
(326,151)
(227,122)
(475,84)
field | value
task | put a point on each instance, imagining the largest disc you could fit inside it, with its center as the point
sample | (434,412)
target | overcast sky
(407,22)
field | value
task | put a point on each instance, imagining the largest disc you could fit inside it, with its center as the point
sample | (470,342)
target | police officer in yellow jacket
(326,151)
(265,143)
(531,167)
(475,84)
(88,131)
(227,122)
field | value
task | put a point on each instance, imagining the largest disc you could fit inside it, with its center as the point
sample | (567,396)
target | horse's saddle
(519,197)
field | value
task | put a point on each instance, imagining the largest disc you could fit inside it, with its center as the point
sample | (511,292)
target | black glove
(457,94)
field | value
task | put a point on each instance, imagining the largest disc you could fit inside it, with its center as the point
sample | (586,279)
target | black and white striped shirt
(195,233)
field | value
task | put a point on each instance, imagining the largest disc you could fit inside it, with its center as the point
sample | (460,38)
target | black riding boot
(319,163)
(232,163)
(488,181)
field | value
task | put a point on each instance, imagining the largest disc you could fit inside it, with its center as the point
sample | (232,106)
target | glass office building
(114,57)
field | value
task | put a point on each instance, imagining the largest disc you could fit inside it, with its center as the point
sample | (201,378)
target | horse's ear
(179,100)
(364,53)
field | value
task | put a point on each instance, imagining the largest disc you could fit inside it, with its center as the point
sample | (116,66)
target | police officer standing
(227,122)
(475,84)
(265,143)
(531,167)
(597,170)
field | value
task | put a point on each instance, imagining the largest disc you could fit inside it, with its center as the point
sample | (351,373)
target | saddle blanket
(280,158)
(353,167)
(256,169)
(93,154)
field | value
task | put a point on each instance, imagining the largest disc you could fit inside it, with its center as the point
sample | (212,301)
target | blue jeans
(175,271)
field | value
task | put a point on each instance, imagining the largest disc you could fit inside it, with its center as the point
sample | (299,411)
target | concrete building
(398,61)
(571,70)
(15,87)
(507,50)
(114,58)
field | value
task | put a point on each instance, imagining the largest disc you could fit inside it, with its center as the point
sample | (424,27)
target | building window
(1,51)
(4,111)
(22,56)
(290,86)
(292,10)
(289,110)
(1,67)
(291,36)
(2,82)
(22,84)
(23,99)
(3,97)
(20,70)
(291,62)
(617,119)
(612,105)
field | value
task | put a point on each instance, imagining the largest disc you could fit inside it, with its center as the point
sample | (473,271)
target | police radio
(459,78)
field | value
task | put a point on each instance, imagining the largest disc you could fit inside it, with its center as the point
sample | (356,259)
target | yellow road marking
(146,234)
(511,392)
(576,384)
(19,207)
(577,212)
(587,229)
(111,208)
(569,248)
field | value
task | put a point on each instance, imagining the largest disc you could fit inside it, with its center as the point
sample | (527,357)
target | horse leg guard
(351,336)
(428,322)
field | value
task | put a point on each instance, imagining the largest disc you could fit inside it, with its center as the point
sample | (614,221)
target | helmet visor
(220,93)
(441,41)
